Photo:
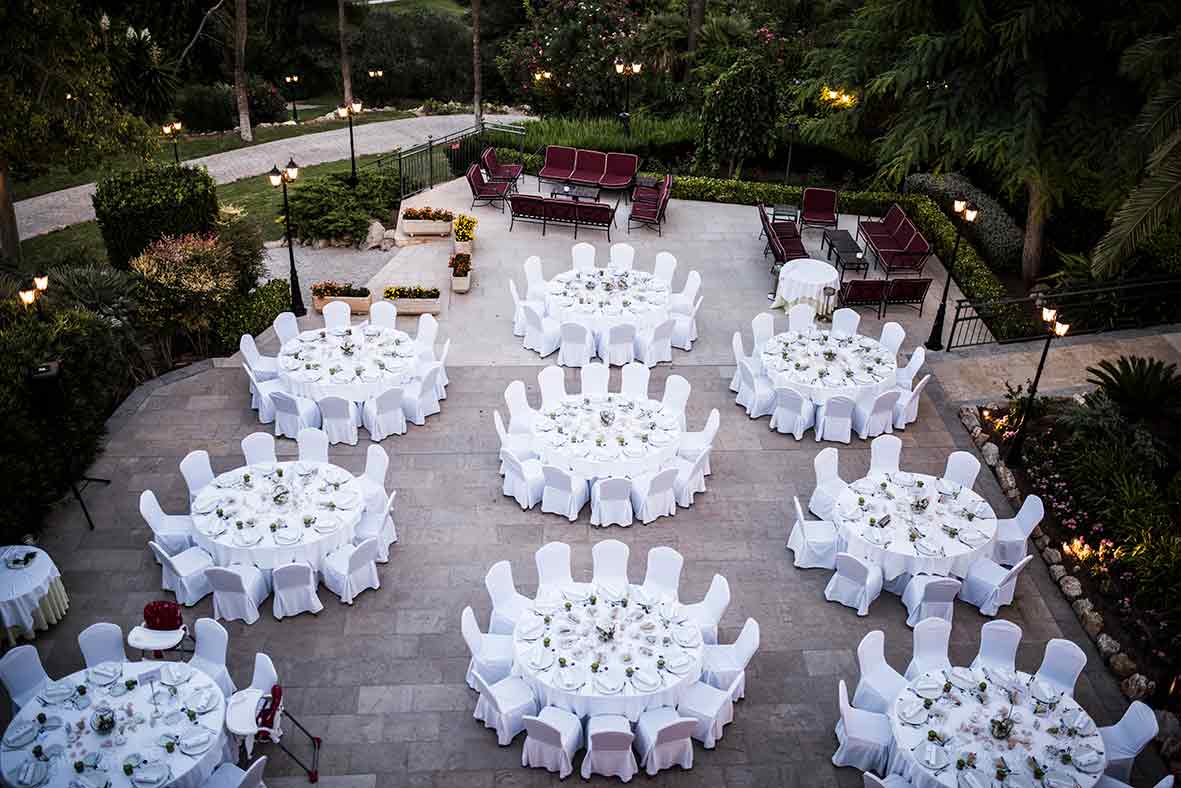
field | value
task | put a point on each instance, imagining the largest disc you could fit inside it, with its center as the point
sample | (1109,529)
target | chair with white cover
(593,379)
(552,382)
(339,420)
(383,415)
(442,382)
(263,367)
(553,568)
(1012,533)
(755,391)
(1110,782)
(834,419)
(634,379)
(378,523)
(524,480)
(871,780)
(664,267)
(685,327)
(337,315)
(906,410)
(521,446)
(611,502)
(492,654)
(865,739)
(723,666)
(990,586)
(929,650)
(713,709)
(676,397)
(885,455)
(184,573)
(520,413)
(197,472)
(1127,738)
(829,484)
(845,322)
(583,256)
(739,355)
(535,282)
(622,257)
(552,740)
(173,532)
(762,327)
(794,413)
(518,312)
(664,739)
(420,397)
(999,640)
(542,334)
(313,445)
(904,376)
(609,564)
(383,314)
(578,345)
(693,443)
(258,448)
(893,335)
(654,345)
(372,479)
(209,654)
(22,674)
(617,345)
(609,741)
(662,578)
(351,569)
(508,605)
(295,590)
(425,336)
(682,302)
(690,478)
(286,327)
(261,392)
(653,495)
(879,684)
(1061,666)
(293,414)
(564,493)
(230,775)
(874,416)
(930,596)
(962,468)
(238,590)
(812,542)
(801,318)
(503,706)
(102,642)
(707,613)
(856,583)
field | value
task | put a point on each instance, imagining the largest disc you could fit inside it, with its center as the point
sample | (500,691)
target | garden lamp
(281,178)
(292,80)
(966,212)
(27,295)
(41,281)
(627,71)
(347,111)
(172,132)
(1056,328)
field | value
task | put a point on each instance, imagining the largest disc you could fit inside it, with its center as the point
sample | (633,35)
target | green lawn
(400,6)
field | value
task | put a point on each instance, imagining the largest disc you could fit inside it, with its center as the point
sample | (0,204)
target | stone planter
(425,227)
(357,305)
(463,247)
(461,284)
(417,306)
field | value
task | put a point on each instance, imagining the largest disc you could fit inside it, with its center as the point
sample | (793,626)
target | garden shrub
(327,207)
(136,207)
(249,313)
(651,136)
(994,233)
(204,108)
(1139,386)
(242,239)
(738,116)
(101,289)
(422,52)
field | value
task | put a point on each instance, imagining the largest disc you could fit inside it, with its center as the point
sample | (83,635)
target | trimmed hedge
(251,313)
(327,207)
(994,232)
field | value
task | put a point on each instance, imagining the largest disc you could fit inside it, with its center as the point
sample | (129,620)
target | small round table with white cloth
(935,526)
(602,650)
(803,281)
(160,741)
(597,437)
(605,297)
(821,366)
(356,364)
(32,596)
(1046,740)
(275,514)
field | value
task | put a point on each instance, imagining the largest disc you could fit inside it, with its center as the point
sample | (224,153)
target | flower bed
(414,299)
(427,221)
(324,293)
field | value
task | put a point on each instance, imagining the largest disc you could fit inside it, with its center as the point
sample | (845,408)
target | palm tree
(346,65)
(240,71)
(477,82)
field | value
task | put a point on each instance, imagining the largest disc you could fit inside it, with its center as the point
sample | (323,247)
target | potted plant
(414,299)
(464,233)
(326,292)
(427,221)
(461,272)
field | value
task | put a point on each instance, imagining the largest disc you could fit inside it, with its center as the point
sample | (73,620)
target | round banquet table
(356,364)
(642,633)
(803,281)
(233,516)
(956,528)
(821,366)
(1045,726)
(32,596)
(139,733)
(605,297)
(641,437)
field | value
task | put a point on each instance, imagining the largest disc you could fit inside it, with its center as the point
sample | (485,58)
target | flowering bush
(465,228)
(460,264)
(329,289)
(411,291)
(427,213)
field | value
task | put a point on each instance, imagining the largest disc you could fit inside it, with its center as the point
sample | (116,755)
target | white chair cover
(295,590)
(685,327)
(424,338)
(209,653)
(655,345)
(1062,664)
(260,395)
(383,416)
(845,322)
(313,445)
(593,379)
(535,282)
(372,480)
(542,334)
(337,314)
(1012,534)
(578,345)
(197,471)
(518,312)
(989,586)
(762,327)
(351,570)
(682,302)
(622,257)
(707,613)
(583,256)
(22,674)
(564,493)
(800,318)
(102,642)
(634,379)
(442,382)
(553,568)
(829,484)
(238,590)
(834,419)
(503,706)
(874,416)
(618,344)
(998,646)
(794,413)
(653,495)
(690,479)
(420,398)
(663,575)
(286,327)
(507,604)
(609,747)
(492,655)
(339,420)
(611,502)
(663,739)
(724,666)
(856,584)
(383,314)
(1127,738)
(693,443)
(879,684)
(263,367)
(378,524)
(229,775)
(523,479)
(552,740)
(904,376)
(864,738)
(962,468)
(173,532)
(739,355)
(676,397)
(755,392)
(293,414)
(184,573)
(520,414)
(609,564)
(929,651)
(552,382)
(885,454)
(521,446)
(906,410)
(893,335)
(664,267)
(258,448)
(814,544)
(929,596)
(712,708)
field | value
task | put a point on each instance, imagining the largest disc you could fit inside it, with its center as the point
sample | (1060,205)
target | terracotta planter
(417,306)
(358,305)
(463,247)
(425,227)
(461,284)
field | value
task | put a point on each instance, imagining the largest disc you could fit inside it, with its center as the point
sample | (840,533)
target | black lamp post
(627,71)
(1055,328)
(792,127)
(347,111)
(967,213)
(292,81)
(172,132)
(282,178)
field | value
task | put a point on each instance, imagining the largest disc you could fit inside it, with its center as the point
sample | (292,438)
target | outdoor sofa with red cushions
(818,208)
(588,167)
(489,193)
(559,210)
(896,243)
(783,240)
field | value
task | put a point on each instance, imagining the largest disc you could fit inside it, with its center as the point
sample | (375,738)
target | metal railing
(1089,310)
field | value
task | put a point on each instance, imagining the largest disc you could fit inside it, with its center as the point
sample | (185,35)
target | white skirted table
(969,728)
(355,364)
(275,514)
(32,597)
(597,649)
(802,282)
(821,366)
(605,297)
(163,722)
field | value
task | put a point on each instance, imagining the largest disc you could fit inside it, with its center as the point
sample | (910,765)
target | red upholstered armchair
(652,193)
(621,171)
(482,191)
(559,164)
(589,168)
(509,173)
(649,214)
(819,208)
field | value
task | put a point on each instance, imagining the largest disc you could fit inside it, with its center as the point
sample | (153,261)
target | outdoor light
(276,176)
(618,66)
(279,178)
(347,110)
(967,212)
(1061,328)
(293,79)
(172,132)
(342,111)
(27,295)
(627,70)
(959,205)
(292,170)
(636,67)
(1056,329)
(41,282)
(373,73)
(356,106)
(1048,314)
(970,214)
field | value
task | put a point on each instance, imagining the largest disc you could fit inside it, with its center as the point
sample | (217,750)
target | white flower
(130,32)
(104,23)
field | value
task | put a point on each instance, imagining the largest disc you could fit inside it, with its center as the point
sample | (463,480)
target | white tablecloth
(603,298)
(324,504)
(948,510)
(640,438)
(31,595)
(644,631)
(962,719)
(803,281)
(139,729)
(357,365)
(821,366)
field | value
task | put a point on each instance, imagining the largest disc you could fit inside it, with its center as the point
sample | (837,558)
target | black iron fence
(1088,310)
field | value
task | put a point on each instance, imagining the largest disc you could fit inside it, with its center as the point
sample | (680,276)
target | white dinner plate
(645,681)
(30,773)
(104,673)
(1059,778)
(326,524)
(913,712)
(246,537)
(21,733)
(679,663)
(608,683)
(151,776)
(1087,758)
(202,700)
(288,536)
(571,678)
(929,687)
(196,740)
(1044,692)
(688,637)
(933,756)
(532,629)
(963,678)
(56,693)
(174,674)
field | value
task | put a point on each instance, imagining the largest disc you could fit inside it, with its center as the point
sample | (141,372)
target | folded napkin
(608,683)
(20,733)
(1057,778)
(1044,692)
(532,628)
(1086,757)
(176,672)
(928,685)
(912,710)
(932,755)
(677,661)
(196,738)
(33,772)
(963,677)
(151,775)
(972,778)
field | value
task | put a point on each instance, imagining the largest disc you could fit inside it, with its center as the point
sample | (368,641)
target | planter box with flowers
(357,298)
(427,221)
(415,299)
(461,272)
(464,233)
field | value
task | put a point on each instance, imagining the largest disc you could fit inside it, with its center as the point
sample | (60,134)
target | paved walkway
(53,211)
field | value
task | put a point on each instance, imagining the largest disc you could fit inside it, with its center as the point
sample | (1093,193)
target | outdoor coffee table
(786,213)
(576,193)
(648,181)
(844,246)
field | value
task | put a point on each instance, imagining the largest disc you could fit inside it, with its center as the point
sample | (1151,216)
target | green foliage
(136,207)
(327,207)
(410,291)
(242,239)
(101,289)
(422,53)
(651,136)
(144,83)
(1139,386)
(331,289)
(739,114)
(249,313)
(994,232)
(1161,253)
(213,107)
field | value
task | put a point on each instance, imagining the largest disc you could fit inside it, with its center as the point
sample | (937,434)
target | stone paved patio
(383,680)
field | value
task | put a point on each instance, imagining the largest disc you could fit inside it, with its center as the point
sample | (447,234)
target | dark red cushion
(560,210)
(594,213)
(560,158)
